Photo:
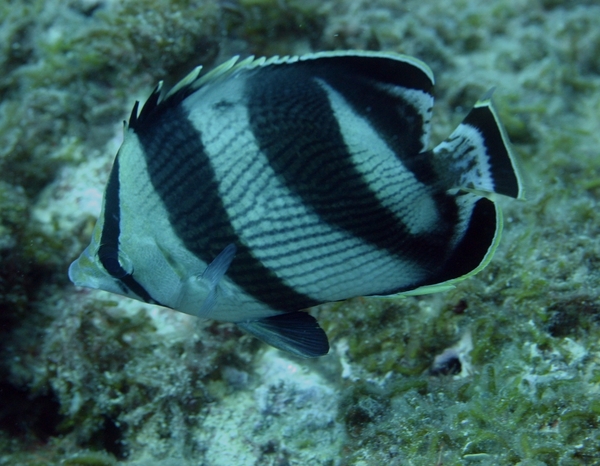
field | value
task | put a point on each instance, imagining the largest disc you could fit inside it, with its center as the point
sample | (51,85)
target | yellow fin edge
(450,284)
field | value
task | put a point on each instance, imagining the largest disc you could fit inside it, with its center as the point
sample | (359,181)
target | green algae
(273,27)
(90,459)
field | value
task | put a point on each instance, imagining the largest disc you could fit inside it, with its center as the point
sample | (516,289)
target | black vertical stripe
(474,245)
(181,173)
(397,121)
(108,252)
(294,124)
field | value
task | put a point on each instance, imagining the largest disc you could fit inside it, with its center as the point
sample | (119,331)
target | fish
(268,186)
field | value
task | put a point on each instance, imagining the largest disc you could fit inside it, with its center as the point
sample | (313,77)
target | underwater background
(89,378)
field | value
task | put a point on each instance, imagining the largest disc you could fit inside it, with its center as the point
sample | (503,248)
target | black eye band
(109,258)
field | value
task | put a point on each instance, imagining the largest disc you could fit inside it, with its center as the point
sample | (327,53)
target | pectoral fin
(297,333)
(212,276)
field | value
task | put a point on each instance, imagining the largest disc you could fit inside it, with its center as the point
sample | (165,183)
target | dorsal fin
(160,100)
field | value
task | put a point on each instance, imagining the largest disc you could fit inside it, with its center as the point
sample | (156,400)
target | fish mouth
(84,271)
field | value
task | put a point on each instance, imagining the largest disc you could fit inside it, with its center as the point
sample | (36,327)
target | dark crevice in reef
(108,438)
(36,417)
(25,415)
(112,439)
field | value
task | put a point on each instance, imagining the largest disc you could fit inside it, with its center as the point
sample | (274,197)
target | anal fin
(297,333)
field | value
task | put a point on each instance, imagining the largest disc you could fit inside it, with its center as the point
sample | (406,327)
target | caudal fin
(477,155)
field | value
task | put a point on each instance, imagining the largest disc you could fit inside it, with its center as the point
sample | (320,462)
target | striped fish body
(269,186)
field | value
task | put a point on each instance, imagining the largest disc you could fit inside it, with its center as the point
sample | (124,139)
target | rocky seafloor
(90,378)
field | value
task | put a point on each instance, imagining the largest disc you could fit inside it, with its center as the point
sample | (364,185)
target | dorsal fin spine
(187,81)
(195,79)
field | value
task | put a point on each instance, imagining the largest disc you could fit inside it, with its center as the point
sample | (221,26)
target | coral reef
(88,378)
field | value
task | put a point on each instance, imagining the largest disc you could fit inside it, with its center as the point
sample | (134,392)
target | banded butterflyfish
(267,186)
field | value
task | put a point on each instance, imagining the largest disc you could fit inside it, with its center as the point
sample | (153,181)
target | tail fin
(477,155)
